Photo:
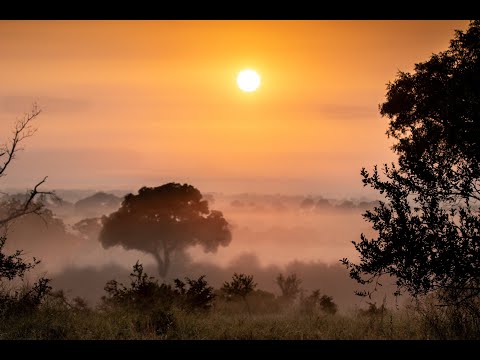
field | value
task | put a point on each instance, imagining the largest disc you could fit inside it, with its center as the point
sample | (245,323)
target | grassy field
(193,310)
(54,320)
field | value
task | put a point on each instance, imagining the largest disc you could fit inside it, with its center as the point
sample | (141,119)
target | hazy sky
(133,103)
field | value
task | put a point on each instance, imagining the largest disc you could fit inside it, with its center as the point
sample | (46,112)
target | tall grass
(148,310)
(57,321)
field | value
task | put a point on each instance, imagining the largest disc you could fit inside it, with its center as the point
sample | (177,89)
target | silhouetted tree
(163,219)
(198,295)
(240,286)
(19,207)
(290,286)
(146,294)
(428,226)
(14,266)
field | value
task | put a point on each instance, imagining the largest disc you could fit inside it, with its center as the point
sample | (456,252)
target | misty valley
(289,246)
(271,234)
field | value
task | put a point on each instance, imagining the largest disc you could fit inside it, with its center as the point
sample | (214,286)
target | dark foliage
(198,295)
(149,301)
(144,293)
(153,302)
(290,287)
(13,265)
(241,285)
(12,208)
(164,219)
(428,227)
(327,305)
(315,301)
(24,301)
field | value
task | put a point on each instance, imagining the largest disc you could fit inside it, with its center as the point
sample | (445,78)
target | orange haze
(132,103)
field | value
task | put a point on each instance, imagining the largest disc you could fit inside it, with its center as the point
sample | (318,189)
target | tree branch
(28,207)
(22,131)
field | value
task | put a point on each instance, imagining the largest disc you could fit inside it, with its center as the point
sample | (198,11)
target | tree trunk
(162,263)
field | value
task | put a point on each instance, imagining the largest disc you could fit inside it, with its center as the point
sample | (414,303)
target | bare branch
(22,130)
(29,206)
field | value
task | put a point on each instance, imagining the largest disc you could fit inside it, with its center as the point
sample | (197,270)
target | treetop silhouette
(161,220)
(428,227)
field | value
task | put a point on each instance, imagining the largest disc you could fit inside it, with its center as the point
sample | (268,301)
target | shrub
(198,295)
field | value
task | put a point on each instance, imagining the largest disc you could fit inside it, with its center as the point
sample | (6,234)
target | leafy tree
(428,226)
(198,295)
(240,286)
(290,286)
(164,219)
(13,265)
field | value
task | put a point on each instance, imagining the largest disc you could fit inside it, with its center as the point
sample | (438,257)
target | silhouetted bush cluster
(144,293)
(194,294)
(25,300)
(316,302)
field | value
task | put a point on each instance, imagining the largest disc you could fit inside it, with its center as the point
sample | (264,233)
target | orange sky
(133,103)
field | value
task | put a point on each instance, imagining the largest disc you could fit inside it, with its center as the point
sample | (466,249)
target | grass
(149,311)
(52,322)
(291,325)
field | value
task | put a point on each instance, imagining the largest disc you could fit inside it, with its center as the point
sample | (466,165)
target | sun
(248,80)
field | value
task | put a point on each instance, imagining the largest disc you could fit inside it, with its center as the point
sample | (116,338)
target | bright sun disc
(248,80)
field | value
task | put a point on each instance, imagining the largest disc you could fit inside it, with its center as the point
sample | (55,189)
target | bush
(198,295)
(315,302)
(144,293)
(25,300)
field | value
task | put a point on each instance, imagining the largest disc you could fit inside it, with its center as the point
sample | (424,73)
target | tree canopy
(161,220)
(428,225)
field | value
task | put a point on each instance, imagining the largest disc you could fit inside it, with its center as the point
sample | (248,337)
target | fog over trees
(231,265)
